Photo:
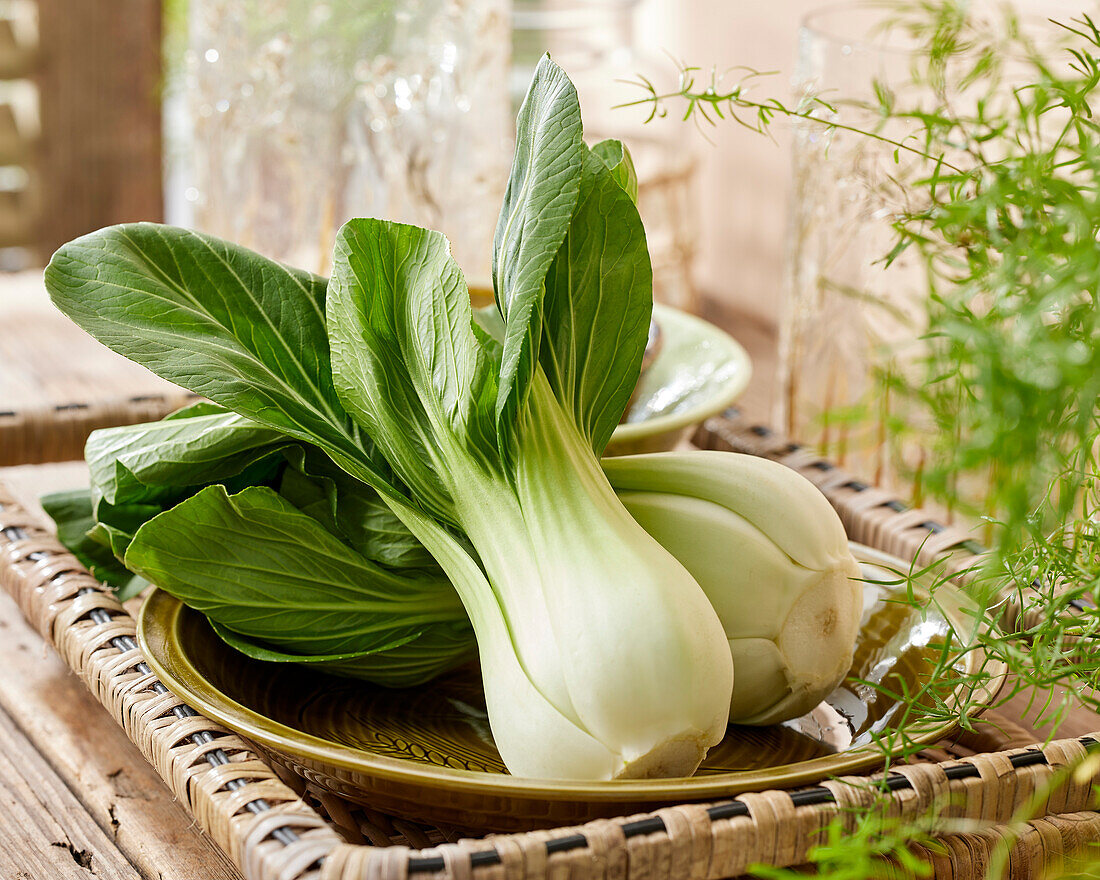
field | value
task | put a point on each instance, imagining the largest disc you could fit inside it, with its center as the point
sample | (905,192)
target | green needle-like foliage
(1001,180)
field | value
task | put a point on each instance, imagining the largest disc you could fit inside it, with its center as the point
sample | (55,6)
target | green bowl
(699,371)
(427,754)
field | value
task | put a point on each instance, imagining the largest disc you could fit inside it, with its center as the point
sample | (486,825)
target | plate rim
(730,390)
(161,611)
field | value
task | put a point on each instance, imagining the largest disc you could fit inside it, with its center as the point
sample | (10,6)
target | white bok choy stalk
(772,556)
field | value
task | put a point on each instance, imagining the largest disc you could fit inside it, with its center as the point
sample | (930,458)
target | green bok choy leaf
(253,562)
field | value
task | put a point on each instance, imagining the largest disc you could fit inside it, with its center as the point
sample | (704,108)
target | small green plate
(427,753)
(698,372)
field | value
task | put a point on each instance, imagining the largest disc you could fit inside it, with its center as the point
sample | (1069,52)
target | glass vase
(855,311)
(845,312)
(305,114)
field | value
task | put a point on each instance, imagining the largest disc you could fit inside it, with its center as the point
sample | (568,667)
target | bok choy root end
(773,558)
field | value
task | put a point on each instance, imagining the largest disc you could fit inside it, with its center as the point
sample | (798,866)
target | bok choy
(382,486)
(595,643)
(760,540)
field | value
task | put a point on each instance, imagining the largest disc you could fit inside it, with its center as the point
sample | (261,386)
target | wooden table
(77,800)
(57,383)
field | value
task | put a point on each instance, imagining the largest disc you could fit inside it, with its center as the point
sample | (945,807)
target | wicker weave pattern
(57,595)
(682,842)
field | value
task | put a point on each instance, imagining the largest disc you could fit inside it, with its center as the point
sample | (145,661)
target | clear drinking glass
(307,113)
(845,313)
(848,315)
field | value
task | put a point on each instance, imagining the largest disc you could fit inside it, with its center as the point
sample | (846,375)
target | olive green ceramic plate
(698,372)
(427,753)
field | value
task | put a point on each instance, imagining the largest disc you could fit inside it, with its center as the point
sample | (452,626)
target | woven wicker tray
(281,829)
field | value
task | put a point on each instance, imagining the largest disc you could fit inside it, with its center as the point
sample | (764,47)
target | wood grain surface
(47,361)
(47,833)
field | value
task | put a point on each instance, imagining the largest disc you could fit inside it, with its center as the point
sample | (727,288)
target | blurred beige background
(742,185)
(741,190)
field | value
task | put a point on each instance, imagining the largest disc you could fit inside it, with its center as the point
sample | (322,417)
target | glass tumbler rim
(814,23)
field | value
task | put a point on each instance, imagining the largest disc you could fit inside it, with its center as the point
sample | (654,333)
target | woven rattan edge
(89,628)
(35,435)
(96,637)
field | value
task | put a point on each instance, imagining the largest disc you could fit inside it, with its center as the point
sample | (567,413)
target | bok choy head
(594,640)
(601,655)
